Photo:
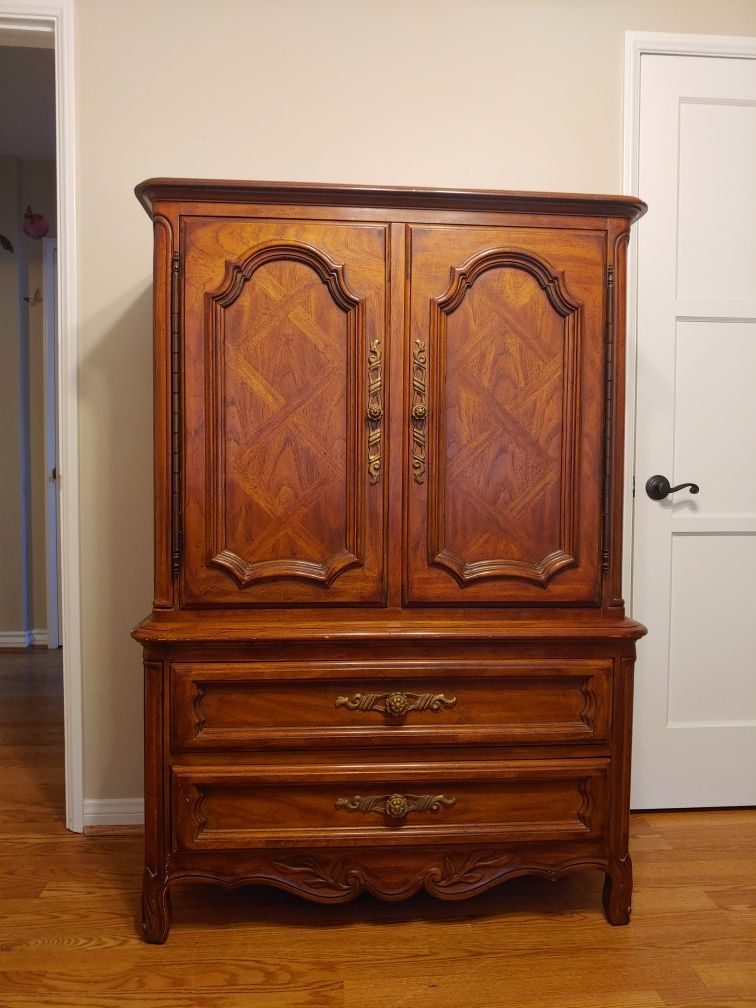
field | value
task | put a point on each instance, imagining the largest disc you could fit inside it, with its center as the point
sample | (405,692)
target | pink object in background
(35,225)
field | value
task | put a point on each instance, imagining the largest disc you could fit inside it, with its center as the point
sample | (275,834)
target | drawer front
(525,800)
(248,704)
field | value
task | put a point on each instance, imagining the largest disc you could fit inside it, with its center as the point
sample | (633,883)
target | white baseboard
(23,638)
(14,638)
(118,812)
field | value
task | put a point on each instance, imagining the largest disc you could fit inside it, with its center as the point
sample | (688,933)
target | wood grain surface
(70,936)
(388,430)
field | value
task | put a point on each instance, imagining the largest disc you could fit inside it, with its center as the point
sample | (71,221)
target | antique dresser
(388,648)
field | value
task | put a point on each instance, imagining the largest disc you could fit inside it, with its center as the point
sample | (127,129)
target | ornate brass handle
(396,704)
(395,806)
(419,411)
(374,411)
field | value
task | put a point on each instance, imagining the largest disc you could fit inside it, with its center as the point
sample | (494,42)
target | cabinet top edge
(194,627)
(154,190)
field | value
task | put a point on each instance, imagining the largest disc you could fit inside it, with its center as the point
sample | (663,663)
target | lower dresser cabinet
(386,770)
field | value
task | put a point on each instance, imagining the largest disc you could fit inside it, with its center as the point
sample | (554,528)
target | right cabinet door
(505,415)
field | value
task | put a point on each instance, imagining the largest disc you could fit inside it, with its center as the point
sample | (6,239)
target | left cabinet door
(283,344)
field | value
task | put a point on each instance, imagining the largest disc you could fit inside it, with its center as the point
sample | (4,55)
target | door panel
(284,343)
(694,562)
(505,415)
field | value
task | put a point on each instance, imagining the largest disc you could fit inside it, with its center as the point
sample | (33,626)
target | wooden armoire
(388,648)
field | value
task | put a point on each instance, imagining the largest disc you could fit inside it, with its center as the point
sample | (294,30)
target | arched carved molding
(453,876)
(540,573)
(463,277)
(569,310)
(237,274)
(586,802)
(247,573)
(588,713)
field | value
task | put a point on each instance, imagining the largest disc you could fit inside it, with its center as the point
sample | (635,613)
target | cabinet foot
(618,891)
(156,908)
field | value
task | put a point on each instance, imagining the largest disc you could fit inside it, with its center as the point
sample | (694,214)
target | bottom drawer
(524,800)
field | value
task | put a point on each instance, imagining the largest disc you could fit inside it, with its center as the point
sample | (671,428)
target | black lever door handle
(657,487)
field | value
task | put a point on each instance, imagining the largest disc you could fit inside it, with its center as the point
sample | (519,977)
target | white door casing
(694,557)
(50,327)
(19,19)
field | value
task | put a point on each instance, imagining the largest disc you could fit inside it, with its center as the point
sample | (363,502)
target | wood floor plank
(328,997)
(294,999)
(70,936)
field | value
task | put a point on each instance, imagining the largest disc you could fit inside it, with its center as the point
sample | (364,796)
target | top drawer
(263,704)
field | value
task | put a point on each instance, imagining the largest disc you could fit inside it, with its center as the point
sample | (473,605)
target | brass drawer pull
(395,806)
(396,704)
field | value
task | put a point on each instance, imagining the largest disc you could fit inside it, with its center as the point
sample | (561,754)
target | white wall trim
(637,46)
(15,638)
(28,33)
(115,812)
(23,638)
(60,15)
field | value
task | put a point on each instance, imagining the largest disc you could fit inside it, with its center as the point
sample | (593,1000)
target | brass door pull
(374,412)
(419,411)
(395,806)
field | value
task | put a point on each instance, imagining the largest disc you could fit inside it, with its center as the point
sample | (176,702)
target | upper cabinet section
(505,415)
(283,449)
(387,397)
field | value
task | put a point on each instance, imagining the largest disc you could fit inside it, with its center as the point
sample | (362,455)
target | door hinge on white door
(176,509)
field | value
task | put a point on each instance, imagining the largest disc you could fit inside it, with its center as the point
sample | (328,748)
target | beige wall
(424,92)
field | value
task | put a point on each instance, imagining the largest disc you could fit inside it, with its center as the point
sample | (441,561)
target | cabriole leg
(156,908)
(618,891)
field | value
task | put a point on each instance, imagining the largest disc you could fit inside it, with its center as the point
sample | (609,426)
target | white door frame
(638,45)
(50,368)
(58,16)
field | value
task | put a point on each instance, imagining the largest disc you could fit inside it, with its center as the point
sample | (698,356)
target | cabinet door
(284,449)
(505,415)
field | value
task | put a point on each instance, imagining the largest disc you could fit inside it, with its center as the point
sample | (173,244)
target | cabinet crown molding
(180,190)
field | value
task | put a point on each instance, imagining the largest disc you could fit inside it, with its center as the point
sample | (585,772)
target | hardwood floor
(69,932)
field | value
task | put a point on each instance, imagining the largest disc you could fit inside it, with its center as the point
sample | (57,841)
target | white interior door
(694,566)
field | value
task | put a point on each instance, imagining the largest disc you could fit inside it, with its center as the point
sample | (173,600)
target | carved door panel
(283,435)
(505,415)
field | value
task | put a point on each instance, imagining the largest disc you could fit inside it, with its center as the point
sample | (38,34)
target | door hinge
(177,532)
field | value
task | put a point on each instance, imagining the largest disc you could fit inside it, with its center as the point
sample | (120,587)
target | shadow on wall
(116,494)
